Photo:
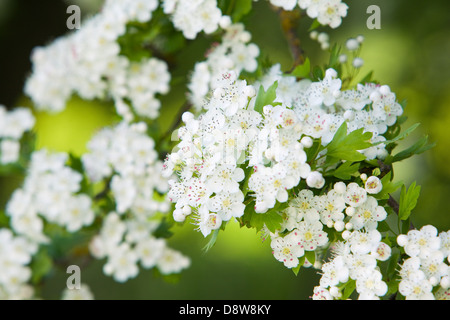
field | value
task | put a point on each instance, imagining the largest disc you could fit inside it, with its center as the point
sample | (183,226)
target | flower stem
(289,23)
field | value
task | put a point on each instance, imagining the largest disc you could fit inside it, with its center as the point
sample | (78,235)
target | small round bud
(445,282)
(323,37)
(331,73)
(375,96)
(335,292)
(315,180)
(225,22)
(346,235)
(350,211)
(250,91)
(307,142)
(187,116)
(340,187)
(219,93)
(385,90)
(433,281)
(402,240)
(343,58)
(245,36)
(178,215)
(352,44)
(358,62)
(339,226)
(325,45)
(337,94)
(349,115)
(187,210)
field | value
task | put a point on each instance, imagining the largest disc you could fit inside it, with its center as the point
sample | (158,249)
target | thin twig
(289,23)
(184,108)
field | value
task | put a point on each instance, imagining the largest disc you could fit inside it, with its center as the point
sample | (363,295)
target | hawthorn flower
(364,242)
(286,250)
(368,214)
(172,261)
(310,234)
(122,263)
(331,208)
(355,196)
(331,12)
(149,251)
(421,242)
(9,151)
(334,272)
(325,91)
(416,290)
(321,293)
(227,205)
(373,185)
(208,221)
(13,125)
(371,286)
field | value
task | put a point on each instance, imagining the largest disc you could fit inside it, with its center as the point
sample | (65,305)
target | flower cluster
(322,107)
(127,242)
(345,208)
(51,190)
(192,17)
(278,159)
(208,156)
(13,125)
(125,154)
(16,253)
(327,12)
(355,259)
(271,142)
(426,267)
(88,63)
(233,53)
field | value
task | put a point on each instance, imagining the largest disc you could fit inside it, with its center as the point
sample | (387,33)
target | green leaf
(314,25)
(367,78)
(401,136)
(345,171)
(265,98)
(345,146)
(41,265)
(349,287)
(163,230)
(272,219)
(311,256)
(334,57)
(408,200)
(4,219)
(419,147)
(212,240)
(313,152)
(303,70)
(241,8)
(318,73)
(389,187)
(301,262)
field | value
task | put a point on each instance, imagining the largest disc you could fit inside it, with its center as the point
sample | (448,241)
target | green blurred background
(411,53)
